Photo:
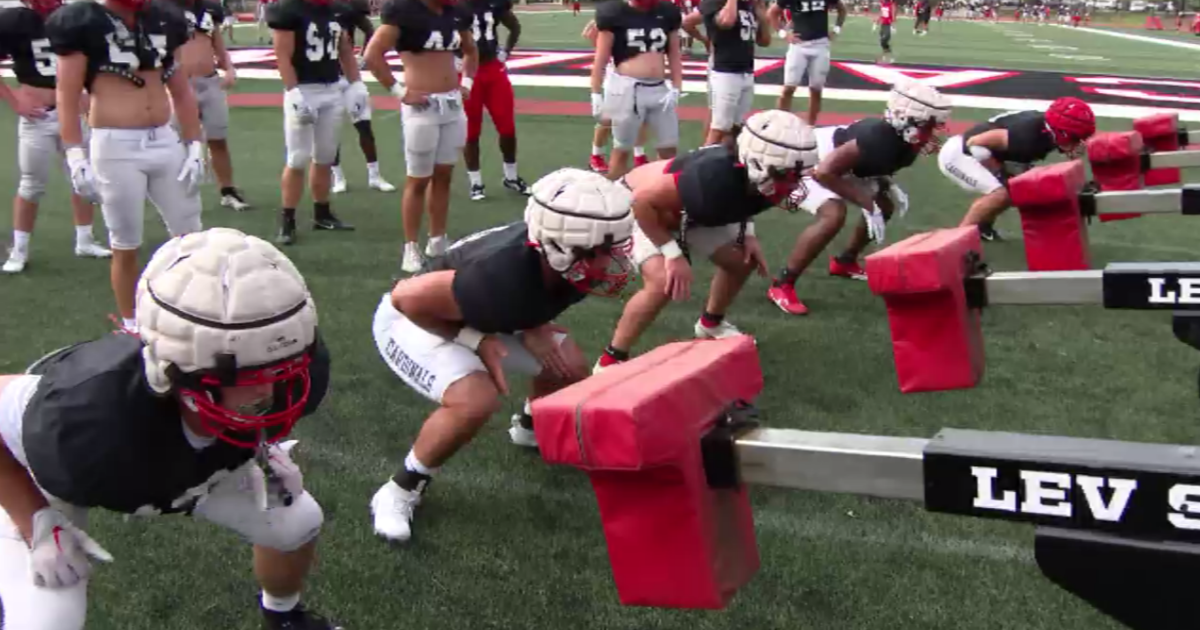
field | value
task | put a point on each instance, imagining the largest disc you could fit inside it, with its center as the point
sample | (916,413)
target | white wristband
(671,250)
(399,90)
(749,228)
(76,154)
(468,82)
(469,338)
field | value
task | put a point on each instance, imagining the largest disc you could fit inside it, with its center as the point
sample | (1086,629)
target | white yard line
(1136,38)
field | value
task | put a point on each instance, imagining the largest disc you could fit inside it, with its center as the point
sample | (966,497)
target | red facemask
(643,5)
(604,274)
(44,7)
(220,421)
(789,191)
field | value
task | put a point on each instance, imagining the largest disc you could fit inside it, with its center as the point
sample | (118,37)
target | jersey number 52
(319,48)
(44,58)
(123,54)
(655,40)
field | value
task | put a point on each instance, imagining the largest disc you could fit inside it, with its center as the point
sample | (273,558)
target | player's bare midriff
(429,72)
(119,104)
(197,57)
(43,97)
(649,65)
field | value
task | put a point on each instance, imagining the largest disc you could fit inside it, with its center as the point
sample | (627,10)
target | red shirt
(887,12)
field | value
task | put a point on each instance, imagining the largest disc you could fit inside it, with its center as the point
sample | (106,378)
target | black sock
(786,277)
(289,214)
(846,258)
(321,210)
(710,320)
(228,190)
(619,355)
(411,480)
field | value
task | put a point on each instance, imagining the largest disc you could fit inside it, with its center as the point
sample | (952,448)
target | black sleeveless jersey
(810,18)
(23,39)
(318,37)
(733,47)
(112,46)
(204,16)
(635,31)
(486,14)
(1029,140)
(499,282)
(422,30)
(715,188)
(881,150)
(96,435)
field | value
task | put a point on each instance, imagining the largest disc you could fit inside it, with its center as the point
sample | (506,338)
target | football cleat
(234,201)
(520,434)
(377,182)
(598,164)
(989,232)
(287,231)
(392,508)
(477,193)
(297,618)
(640,160)
(518,185)
(784,296)
(850,270)
(411,262)
(724,330)
(339,185)
(331,222)
(436,246)
(16,262)
(91,250)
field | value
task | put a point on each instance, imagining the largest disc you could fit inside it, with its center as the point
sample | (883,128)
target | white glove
(837,30)
(83,180)
(293,102)
(59,551)
(899,199)
(671,99)
(875,223)
(359,98)
(343,84)
(782,33)
(193,168)
(502,55)
(597,105)
(287,482)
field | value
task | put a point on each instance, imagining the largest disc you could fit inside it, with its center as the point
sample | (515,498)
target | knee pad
(30,189)
(299,158)
(290,528)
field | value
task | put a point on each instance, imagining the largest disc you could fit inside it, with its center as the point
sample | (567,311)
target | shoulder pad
(463,17)
(711,7)
(71,26)
(392,12)
(671,15)
(218,12)
(284,15)
(608,15)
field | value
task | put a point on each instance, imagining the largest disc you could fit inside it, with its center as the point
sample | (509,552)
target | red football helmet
(43,7)
(1071,121)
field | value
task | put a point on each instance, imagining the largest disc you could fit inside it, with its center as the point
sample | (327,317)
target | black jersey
(422,30)
(111,46)
(636,31)
(810,18)
(500,284)
(1029,140)
(715,188)
(486,14)
(204,16)
(356,14)
(318,37)
(733,47)
(23,38)
(96,435)
(881,150)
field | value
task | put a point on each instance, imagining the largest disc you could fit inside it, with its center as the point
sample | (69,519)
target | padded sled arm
(1172,159)
(1134,286)
(1184,200)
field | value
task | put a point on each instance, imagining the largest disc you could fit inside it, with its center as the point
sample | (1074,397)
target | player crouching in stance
(707,200)
(642,38)
(487,306)
(184,419)
(986,156)
(123,53)
(856,165)
(426,33)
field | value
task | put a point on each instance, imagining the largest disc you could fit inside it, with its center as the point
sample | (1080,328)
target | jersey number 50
(319,48)
(637,38)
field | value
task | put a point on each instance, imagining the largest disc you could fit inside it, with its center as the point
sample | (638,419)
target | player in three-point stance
(808,48)
(427,33)
(184,419)
(487,308)
(642,39)
(39,147)
(988,154)
(123,53)
(313,53)
(493,90)
(199,58)
(856,165)
(705,201)
(734,27)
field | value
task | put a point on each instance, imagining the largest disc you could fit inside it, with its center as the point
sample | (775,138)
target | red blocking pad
(1160,132)
(635,428)
(1053,226)
(937,341)
(1116,160)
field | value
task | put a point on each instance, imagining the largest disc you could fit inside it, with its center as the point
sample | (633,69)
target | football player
(733,26)
(487,307)
(494,91)
(23,38)
(705,201)
(199,58)
(988,154)
(887,15)
(603,130)
(641,37)
(186,418)
(921,24)
(313,54)
(856,165)
(427,33)
(356,15)
(123,53)
(808,48)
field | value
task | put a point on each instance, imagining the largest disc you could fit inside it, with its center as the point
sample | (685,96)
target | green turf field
(503,541)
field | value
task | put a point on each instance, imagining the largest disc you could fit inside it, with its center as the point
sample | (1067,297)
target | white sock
(528,408)
(337,172)
(130,323)
(83,235)
(476,178)
(639,152)
(510,170)
(410,244)
(21,241)
(279,604)
(373,170)
(597,149)
(412,463)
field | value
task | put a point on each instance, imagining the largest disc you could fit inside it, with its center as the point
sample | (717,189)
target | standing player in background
(887,15)
(808,48)
(199,58)
(923,12)
(603,130)
(261,13)
(123,52)
(39,145)
(313,54)
(575,7)
(427,33)
(227,24)
(733,26)
(642,39)
(493,91)
(356,15)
